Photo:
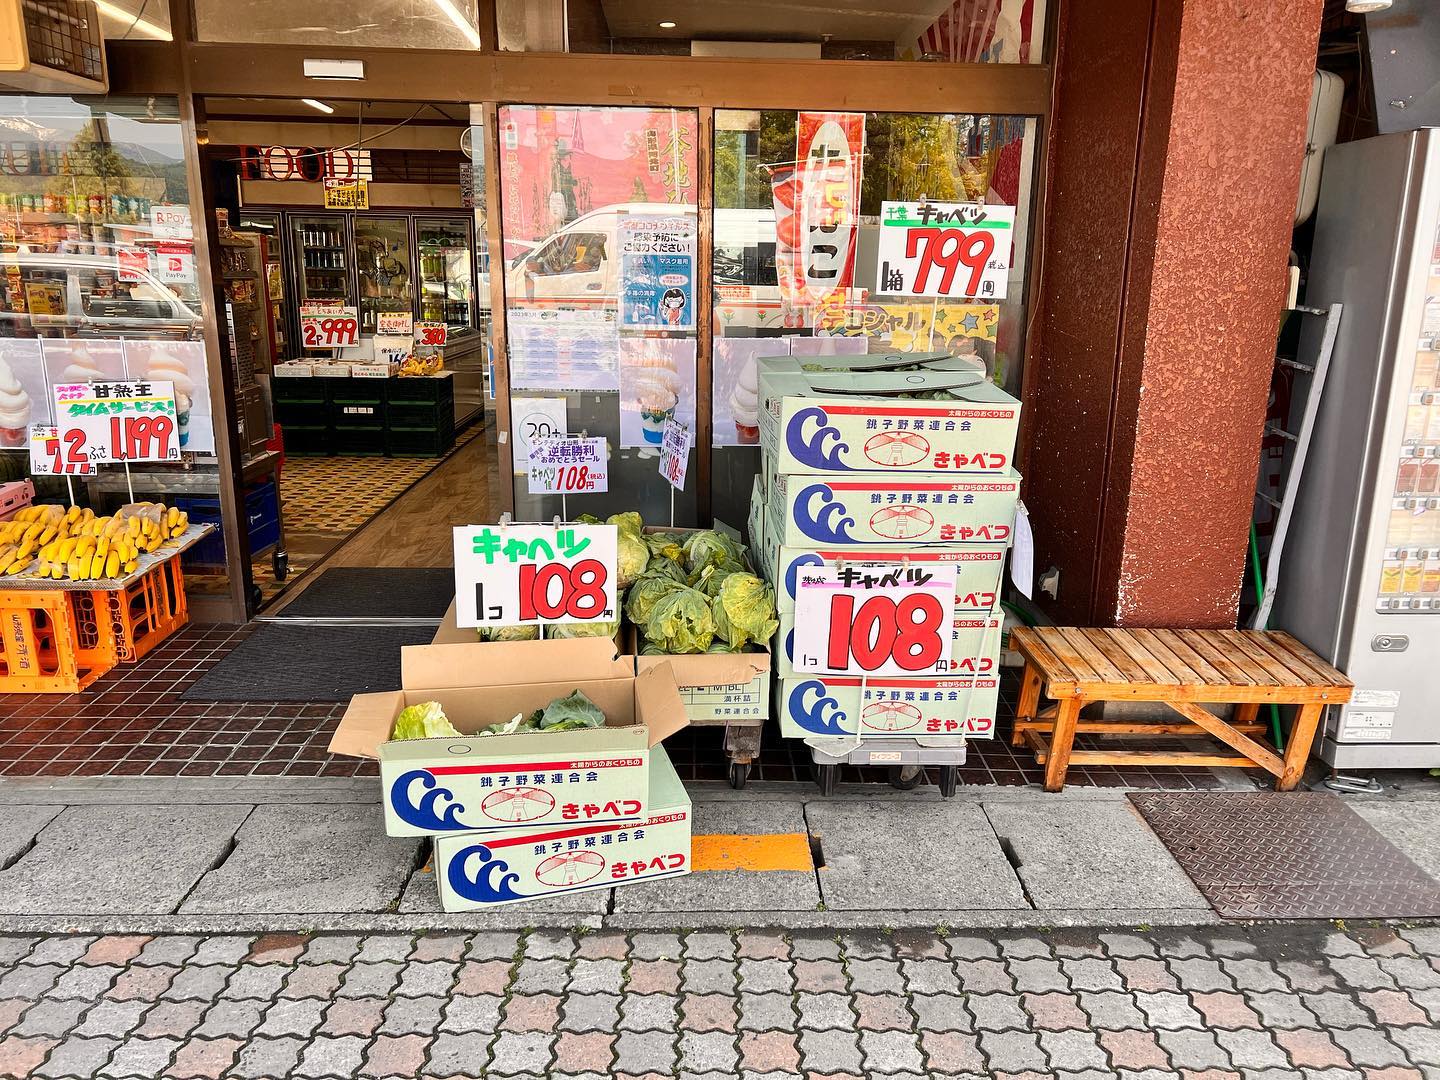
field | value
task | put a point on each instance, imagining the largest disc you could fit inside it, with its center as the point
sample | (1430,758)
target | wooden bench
(1183,669)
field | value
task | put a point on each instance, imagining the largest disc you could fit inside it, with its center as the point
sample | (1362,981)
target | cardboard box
(755,523)
(830,706)
(979,568)
(331,369)
(715,687)
(509,867)
(876,509)
(491,782)
(293,369)
(374,370)
(806,430)
(975,646)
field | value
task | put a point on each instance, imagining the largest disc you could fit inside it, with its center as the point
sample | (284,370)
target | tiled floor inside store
(133,723)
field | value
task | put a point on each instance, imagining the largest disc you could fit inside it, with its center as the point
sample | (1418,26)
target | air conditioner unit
(52,47)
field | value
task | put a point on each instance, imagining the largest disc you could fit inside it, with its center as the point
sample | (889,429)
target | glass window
(598,216)
(396,24)
(135,20)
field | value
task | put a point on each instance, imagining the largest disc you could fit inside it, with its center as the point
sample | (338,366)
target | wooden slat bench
(1183,669)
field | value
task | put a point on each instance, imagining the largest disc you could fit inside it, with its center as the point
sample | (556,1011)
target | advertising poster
(89,360)
(959,329)
(735,397)
(657,383)
(830,149)
(175,264)
(181,363)
(562,349)
(24,393)
(657,272)
(535,420)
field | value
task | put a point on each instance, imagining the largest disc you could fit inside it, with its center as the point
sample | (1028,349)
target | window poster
(657,272)
(958,328)
(657,383)
(535,420)
(24,395)
(181,363)
(562,349)
(77,360)
(735,398)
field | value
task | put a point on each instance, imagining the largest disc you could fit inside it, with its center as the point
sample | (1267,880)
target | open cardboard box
(490,782)
(560,654)
(476,872)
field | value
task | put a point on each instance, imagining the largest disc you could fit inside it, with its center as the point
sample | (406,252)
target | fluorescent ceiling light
(461,23)
(318,105)
(1360,7)
(137,25)
(667,25)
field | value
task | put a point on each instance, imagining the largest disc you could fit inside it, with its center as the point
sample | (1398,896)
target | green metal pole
(1258,576)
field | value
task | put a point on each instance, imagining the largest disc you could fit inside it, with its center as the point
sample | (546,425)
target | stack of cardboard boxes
(894,458)
(522,816)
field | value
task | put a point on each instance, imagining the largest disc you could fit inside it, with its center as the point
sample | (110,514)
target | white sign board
(535,419)
(50,457)
(394,322)
(955,250)
(675,442)
(329,327)
(509,575)
(111,422)
(568,467)
(171,223)
(874,619)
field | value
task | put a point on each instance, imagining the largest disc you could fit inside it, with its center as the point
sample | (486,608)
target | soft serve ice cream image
(14,408)
(164,366)
(82,368)
(745,402)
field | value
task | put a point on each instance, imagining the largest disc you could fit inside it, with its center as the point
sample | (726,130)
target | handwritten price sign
(329,328)
(432,334)
(111,422)
(675,442)
(397,323)
(508,575)
(568,467)
(957,250)
(874,619)
(50,457)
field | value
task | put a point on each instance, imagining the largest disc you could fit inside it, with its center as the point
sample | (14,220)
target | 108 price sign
(521,575)
(874,619)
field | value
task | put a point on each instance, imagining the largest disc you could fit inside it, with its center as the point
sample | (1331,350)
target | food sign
(508,575)
(325,327)
(953,250)
(432,334)
(49,458)
(675,442)
(874,619)
(568,467)
(398,323)
(108,422)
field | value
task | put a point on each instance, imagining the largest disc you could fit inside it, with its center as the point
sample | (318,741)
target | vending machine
(1360,581)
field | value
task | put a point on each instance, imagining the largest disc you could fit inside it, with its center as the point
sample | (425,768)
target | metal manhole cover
(1287,855)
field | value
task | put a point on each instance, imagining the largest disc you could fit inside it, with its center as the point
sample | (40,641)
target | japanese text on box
(508,575)
(568,466)
(874,619)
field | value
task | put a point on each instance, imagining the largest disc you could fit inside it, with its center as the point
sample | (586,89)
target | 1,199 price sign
(874,619)
(508,575)
(109,422)
(329,328)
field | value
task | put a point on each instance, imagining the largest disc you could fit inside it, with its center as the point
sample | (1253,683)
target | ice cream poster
(735,382)
(24,394)
(657,272)
(182,364)
(657,383)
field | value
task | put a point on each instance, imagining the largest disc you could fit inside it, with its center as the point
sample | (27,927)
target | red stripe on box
(533,766)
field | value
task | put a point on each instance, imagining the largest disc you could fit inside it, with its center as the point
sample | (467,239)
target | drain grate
(1296,855)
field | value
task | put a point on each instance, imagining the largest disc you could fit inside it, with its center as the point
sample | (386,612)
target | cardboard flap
(893,382)
(366,724)
(506,663)
(657,700)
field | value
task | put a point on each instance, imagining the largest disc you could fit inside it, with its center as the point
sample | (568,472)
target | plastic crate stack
(893,458)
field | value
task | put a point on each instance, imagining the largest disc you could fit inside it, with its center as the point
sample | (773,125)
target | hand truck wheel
(906,777)
(739,774)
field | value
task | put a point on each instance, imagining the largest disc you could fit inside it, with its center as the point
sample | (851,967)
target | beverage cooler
(1360,581)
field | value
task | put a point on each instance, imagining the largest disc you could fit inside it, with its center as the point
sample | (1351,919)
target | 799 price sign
(509,575)
(874,619)
(957,250)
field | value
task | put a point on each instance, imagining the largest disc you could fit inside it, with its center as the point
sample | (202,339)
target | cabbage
(651,650)
(681,622)
(560,631)
(709,548)
(587,519)
(668,568)
(571,713)
(669,545)
(645,594)
(424,721)
(630,522)
(719,646)
(632,556)
(745,610)
(710,579)
(509,633)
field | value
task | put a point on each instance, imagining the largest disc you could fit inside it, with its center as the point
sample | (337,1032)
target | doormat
(374,594)
(1287,855)
(297,662)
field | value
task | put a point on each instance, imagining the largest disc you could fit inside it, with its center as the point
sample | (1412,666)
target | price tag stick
(129,484)
(70,487)
(672,505)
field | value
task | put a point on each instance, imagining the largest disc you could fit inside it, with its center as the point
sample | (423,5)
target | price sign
(675,442)
(394,322)
(507,575)
(329,328)
(347,194)
(132,263)
(956,250)
(432,334)
(568,466)
(50,457)
(874,619)
(110,422)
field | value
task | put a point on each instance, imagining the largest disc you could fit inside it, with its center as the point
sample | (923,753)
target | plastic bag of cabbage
(427,720)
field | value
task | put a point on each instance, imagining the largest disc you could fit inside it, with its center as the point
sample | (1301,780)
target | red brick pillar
(1175,156)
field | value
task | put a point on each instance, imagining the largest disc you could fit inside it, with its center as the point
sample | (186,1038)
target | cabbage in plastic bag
(424,721)
(745,610)
(681,622)
(711,578)
(666,544)
(582,629)
(632,557)
(629,521)
(645,594)
(709,548)
(509,633)
(571,713)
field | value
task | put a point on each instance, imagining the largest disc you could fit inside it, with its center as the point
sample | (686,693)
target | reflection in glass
(393,24)
(382,265)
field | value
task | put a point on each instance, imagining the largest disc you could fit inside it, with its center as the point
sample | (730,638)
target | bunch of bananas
(49,541)
(414,365)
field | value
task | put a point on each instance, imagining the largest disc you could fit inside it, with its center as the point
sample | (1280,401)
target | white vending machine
(1360,581)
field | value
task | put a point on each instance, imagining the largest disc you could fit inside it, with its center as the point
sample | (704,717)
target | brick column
(1173,171)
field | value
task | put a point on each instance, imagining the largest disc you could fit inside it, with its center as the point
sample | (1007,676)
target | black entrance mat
(292,662)
(1287,855)
(382,592)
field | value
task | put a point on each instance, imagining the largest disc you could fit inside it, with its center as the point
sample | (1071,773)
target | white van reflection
(49,294)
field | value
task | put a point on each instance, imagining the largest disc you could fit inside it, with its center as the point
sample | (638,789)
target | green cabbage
(424,721)
(588,519)
(745,610)
(681,622)
(669,545)
(711,578)
(630,522)
(719,646)
(646,593)
(571,713)
(559,631)
(632,556)
(509,633)
(710,548)
(669,568)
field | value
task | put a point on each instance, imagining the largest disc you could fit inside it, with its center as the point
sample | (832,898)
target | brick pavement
(1204,1004)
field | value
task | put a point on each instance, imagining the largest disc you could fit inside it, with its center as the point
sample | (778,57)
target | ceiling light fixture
(318,105)
(667,25)
(137,25)
(1361,7)
(461,23)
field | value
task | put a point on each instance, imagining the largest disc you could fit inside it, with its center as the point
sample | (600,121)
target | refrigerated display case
(383,267)
(1360,582)
(320,258)
(272,282)
(445,278)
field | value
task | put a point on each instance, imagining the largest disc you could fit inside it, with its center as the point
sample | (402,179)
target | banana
(112,564)
(97,566)
(131,566)
(74,569)
(16,566)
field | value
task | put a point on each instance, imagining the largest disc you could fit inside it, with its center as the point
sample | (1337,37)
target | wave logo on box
(492,881)
(822,715)
(792,585)
(826,520)
(813,449)
(422,814)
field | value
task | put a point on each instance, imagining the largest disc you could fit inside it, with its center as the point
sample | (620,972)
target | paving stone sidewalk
(1294,1001)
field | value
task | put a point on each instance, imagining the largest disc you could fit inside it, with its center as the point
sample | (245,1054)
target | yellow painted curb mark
(765,851)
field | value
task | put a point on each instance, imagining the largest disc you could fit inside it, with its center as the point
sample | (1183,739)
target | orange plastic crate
(53,642)
(144,614)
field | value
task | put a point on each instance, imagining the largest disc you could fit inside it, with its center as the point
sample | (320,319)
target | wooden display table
(1183,669)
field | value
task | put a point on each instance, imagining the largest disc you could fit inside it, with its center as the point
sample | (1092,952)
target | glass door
(382,267)
(445,278)
(320,261)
